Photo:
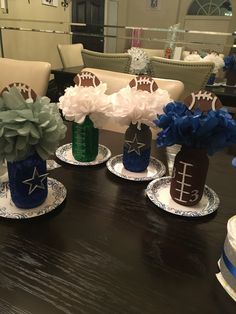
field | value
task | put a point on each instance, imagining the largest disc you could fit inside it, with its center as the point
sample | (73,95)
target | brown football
(145,83)
(204,100)
(25,90)
(86,79)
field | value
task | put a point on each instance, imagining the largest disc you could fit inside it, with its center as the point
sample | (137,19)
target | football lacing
(203,95)
(87,75)
(143,80)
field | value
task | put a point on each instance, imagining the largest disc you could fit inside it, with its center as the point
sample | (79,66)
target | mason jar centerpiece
(201,127)
(30,131)
(86,105)
(136,106)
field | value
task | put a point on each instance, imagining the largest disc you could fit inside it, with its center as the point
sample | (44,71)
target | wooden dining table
(107,249)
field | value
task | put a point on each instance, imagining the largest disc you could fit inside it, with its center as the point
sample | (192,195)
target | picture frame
(53,3)
(153,4)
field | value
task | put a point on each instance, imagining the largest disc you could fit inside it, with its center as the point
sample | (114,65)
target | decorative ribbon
(231,268)
(136,33)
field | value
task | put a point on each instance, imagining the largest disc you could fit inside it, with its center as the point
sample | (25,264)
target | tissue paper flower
(216,59)
(80,101)
(139,62)
(130,105)
(212,131)
(193,57)
(28,126)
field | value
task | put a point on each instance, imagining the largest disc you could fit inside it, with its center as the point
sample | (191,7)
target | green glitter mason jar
(85,140)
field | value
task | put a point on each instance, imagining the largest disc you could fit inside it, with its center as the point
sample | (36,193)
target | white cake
(227,262)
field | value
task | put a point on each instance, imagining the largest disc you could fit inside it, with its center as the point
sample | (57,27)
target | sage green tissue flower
(28,126)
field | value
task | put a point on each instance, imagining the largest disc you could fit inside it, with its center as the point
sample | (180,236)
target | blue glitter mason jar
(137,148)
(28,181)
(85,140)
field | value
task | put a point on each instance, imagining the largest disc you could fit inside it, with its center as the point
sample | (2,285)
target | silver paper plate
(56,195)
(64,153)
(158,192)
(154,170)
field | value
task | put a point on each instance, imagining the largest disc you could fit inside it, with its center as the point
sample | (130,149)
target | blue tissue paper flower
(211,131)
(230,63)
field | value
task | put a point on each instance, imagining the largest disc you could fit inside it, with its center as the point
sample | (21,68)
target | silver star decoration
(36,181)
(134,145)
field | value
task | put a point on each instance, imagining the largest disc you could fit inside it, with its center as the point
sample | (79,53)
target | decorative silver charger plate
(64,153)
(158,192)
(56,195)
(154,170)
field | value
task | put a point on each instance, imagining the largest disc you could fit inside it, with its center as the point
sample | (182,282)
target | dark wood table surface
(108,249)
(227,94)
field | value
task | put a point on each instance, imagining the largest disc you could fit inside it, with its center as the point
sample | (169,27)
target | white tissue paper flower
(216,59)
(193,57)
(79,101)
(130,105)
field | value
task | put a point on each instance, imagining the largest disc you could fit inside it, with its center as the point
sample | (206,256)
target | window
(210,7)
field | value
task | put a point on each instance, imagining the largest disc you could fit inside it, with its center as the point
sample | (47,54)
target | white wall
(41,46)
(34,45)
(140,14)
(205,23)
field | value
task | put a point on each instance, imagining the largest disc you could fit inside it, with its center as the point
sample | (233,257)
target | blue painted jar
(137,148)
(211,79)
(28,181)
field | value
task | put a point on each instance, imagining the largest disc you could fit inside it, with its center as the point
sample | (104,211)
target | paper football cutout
(203,100)
(144,83)
(86,79)
(25,90)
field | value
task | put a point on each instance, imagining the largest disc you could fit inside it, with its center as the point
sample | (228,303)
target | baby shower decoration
(30,131)
(201,127)
(136,106)
(86,105)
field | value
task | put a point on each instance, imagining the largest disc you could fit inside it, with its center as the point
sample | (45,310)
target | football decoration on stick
(26,91)
(86,79)
(203,100)
(144,83)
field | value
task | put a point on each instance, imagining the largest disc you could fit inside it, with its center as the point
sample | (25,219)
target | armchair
(70,55)
(194,75)
(32,73)
(118,62)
